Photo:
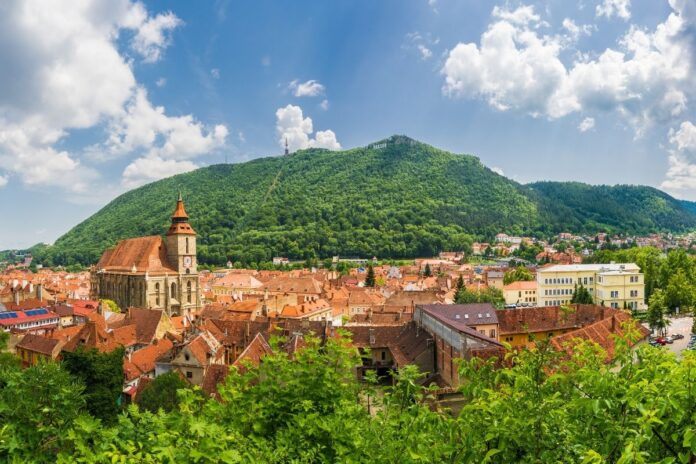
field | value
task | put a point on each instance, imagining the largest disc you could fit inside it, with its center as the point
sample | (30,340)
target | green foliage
(403,201)
(657,307)
(581,295)
(540,407)
(37,405)
(520,273)
(427,272)
(370,277)
(113,307)
(102,375)
(161,393)
(487,295)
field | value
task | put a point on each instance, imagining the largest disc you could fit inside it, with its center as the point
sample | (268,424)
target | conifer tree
(370,279)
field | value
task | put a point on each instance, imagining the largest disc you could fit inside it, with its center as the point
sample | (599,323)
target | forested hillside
(402,200)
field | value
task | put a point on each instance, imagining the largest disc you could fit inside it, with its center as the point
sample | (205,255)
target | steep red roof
(602,332)
(146,358)
(257,349)
(144,253)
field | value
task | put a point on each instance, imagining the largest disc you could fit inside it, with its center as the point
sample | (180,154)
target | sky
(100,96)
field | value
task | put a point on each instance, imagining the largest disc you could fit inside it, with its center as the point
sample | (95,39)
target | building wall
(489,330)
(521,339)
(514,297)
(557,287)
(151,292)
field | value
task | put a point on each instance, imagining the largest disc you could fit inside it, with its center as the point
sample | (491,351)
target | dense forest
(403,200)
(543,408)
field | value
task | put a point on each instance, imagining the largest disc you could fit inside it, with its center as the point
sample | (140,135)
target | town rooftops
(467,314)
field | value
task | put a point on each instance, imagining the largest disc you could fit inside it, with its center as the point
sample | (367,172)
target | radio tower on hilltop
(287,152)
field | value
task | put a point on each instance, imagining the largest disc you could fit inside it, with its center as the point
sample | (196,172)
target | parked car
(669,339)
(677,336)
(661,341)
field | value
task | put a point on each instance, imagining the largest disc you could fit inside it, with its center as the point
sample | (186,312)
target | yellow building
(521,293)
(614,285)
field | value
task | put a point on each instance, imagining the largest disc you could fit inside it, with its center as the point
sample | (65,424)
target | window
(508,339)
(492,333)
(585,280)
(186,356)
(187,245)
(189,374)
(157,291)
(188,291)
(384,355)
(173,291)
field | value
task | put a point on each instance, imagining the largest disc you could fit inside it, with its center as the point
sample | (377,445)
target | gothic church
(151,272)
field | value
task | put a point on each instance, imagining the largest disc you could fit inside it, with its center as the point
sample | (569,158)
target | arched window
(188,291)
(157,291)
(187,246)
(173,291)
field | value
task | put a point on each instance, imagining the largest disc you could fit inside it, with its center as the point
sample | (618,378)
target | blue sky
(102,96)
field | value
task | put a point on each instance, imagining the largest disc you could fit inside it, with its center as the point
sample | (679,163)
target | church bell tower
(181,241)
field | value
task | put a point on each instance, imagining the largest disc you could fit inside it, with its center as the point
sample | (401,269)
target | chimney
(613,323)
(372,336)
(39,291)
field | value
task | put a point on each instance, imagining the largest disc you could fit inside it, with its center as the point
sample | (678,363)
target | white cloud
(310,88)
(161,82)
(62,71)
(241,137)
(291,125)
(586,124)
(215,73)
(497,170)
(575,31)
(423,44)
(681,174)
(151,168)
(324,105)
(517,68)
(3,181)
(153,34)
(424,51)
(266,61)
(523,15)
(620,8)
(325,139)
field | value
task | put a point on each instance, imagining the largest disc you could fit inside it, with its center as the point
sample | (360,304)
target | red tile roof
(144,253)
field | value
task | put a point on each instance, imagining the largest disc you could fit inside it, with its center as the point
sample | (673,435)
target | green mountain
(396,198)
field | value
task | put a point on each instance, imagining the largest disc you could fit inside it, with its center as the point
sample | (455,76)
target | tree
(111,304)
(517,274)
(581,295)
(657,307)
(102,375)
(679,293)
(427,272)
(161,393)
(487,295)
(370,278)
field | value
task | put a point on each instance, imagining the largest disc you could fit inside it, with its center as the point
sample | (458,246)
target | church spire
(180,219)
(287,152)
